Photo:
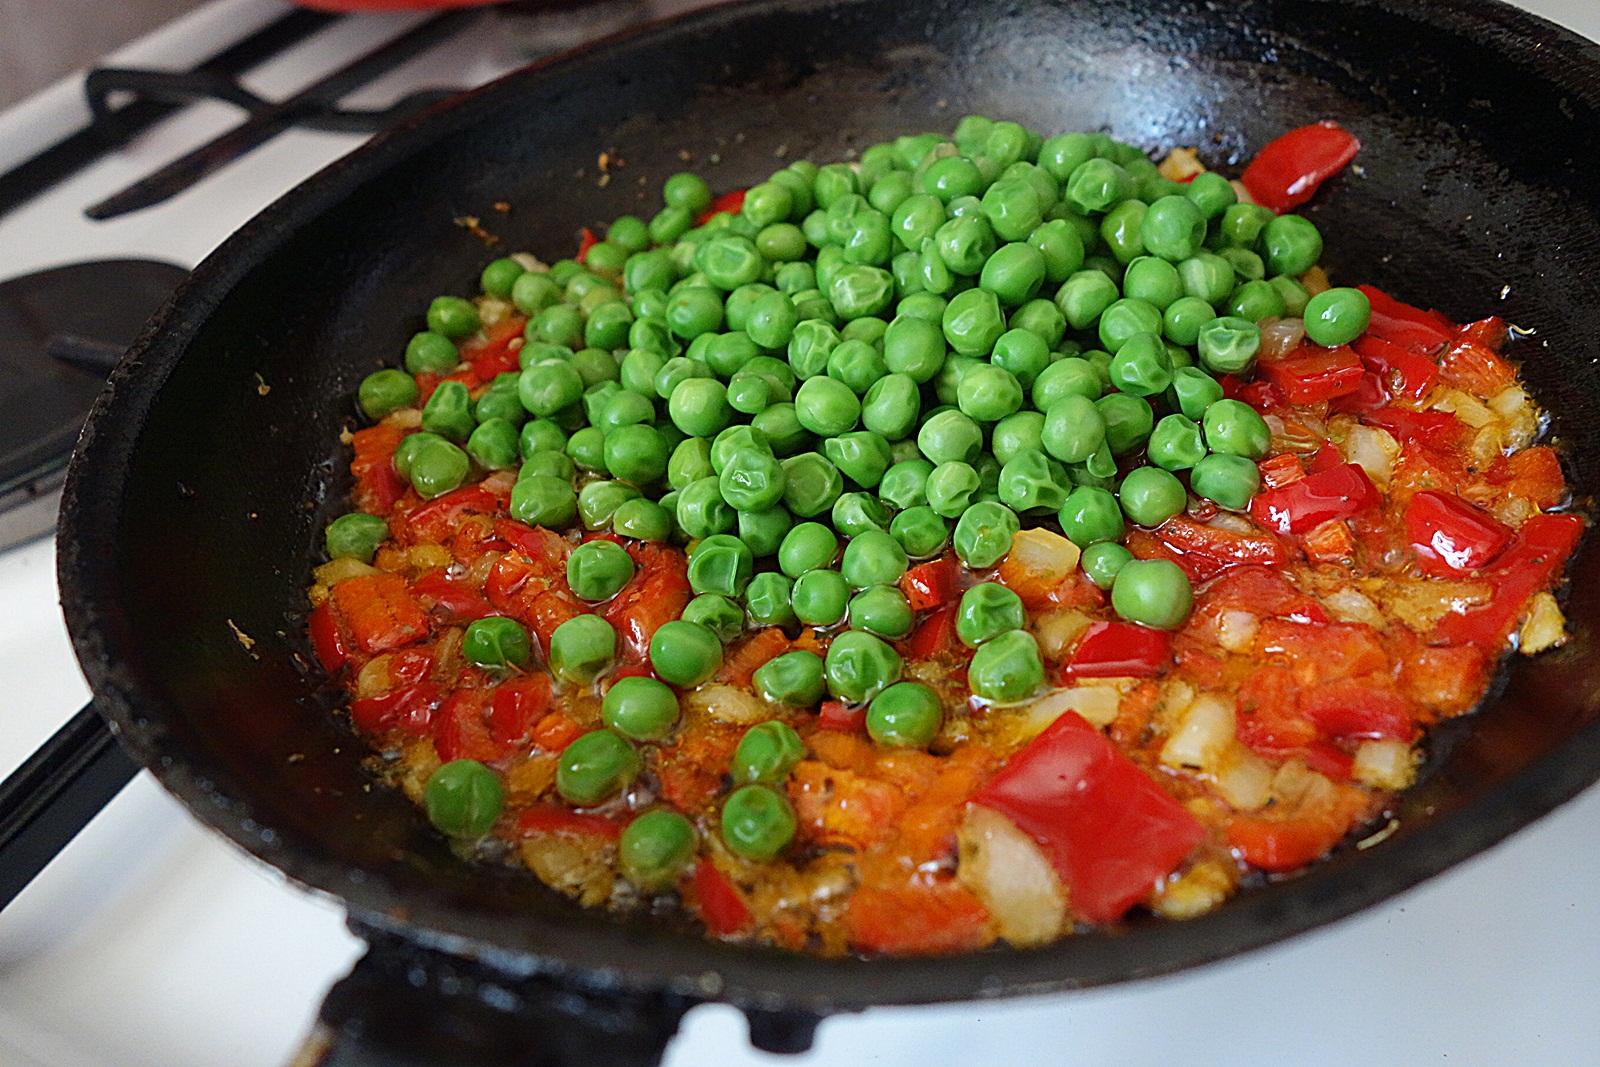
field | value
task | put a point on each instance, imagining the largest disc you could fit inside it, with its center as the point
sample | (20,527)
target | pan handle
(404,1005)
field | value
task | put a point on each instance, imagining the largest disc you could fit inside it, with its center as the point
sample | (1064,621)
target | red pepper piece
(555,732)
(460,732)
(1490,333)
(326,640)
(1312,374)
(427,382)
(586,241)
(1451,536)
(1369,395)
(927,585)
(1336,493)
(935,633)
(1408,373)
(1435,429)
(721,906)
(1326,458)
(656,594)
(1120,650)
(455,596)
(1206,551)
(1349,710)
(1108,829)
(833,715)
(1328,760)
(517,706)
(496,352)
(1289,169)
(555,819)
(409,708)
(437,520)
(732,203)
(379,612)
(920,917)
(1407,326)
(1532,563)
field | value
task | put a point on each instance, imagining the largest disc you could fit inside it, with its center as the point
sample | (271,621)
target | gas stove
(149,940)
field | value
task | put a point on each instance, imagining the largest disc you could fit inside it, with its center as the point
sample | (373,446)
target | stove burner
(57,328)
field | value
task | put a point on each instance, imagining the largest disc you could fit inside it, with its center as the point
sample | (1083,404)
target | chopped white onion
(1352,605)
(1236,630)
(1384,764)
(1545,626)
(727,704)
(1279,337)
(1374,450)
(1243,778)
(1046,555)
(1057,630)
(1096,703)
(1204,734)
(1010,874)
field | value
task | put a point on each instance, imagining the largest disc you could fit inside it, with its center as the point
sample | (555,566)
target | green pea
(1142,365)
(356,536)
(439,468)
(599,500)
(688,191)
(1085,296)
(811,484)
(1150,496)
(857,364)
(1071,376)
(972,322)
(641,709)
(653,335)
(856,513)
(861,456)
(500,401)
(767,752)
(1089,515)
(636,454)
(890,408)
(1014,273)
(1247,266)
(608,325)
(1254,301)
(1103,561)
(582,648)
(1096,184)
(1176,444)
(952,487)
(1206,277)
(1193,391)
(988,393)
(890,191)
(1060,246)
(767,600)
(1292,244)
(1060,155)
(763,531)
(1152,592)
(701,511)
(550,465)
(463,799)
(597,765)
(716,613)
(757,823)
(904,484)
(596,400)
(1014,209)
(1006,668)
(1337,316)
(988,610)
(1242,224)
(1030,480)
(1017,434)
(920,531)
(1122,230)
(1073,429)
(753,480)
(429,351)
(547,387)
(950,436)
(534,291)
(720,564)
(642,519)
(781,427)
(859,290)
(387,390)
(690,462)
(597,570)
(952,177)
(916,219)
(542,500)
(500,276)
(826,406)
(685,654)
(1229,481)
(820,597)
(1129,420)
(1173,228)
(872,558)
(699,407)
(881,610)
(695,310)
(794,678)
(858,666)
(808,546)
(905,715)
(1127,318)
(453,317)
(984,532)
(1294,295)
(1184,317)
(1228,345)
(1233,427)
(558,324)
(655,849)
(914,347)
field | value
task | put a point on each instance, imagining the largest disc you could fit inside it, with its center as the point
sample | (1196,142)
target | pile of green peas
(933,346)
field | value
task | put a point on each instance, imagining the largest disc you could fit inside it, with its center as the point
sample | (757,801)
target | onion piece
(1545,626)
(1010,874)
(1385,763)
(335,571)
(1047,557)
(1194,892)
(1236,630)
(1096,703)
(1374,450)
(1204,734)
(1279,337)
(1243,778)
(1057,630)
(727,704)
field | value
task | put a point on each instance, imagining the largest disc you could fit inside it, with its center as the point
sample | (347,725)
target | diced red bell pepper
(379,612)
(1312,375)
(1261,395)
(495,353)
(1336,493)
(1108,829)
(427,382)
(1532,563)
(1408,373)
(326,640)
(1326,458)
(1490,332)
(556,819)
(586,241)
(917,918)
(409,708)
(1435,429)
(1282,469)
(1261,592)
(517,706)
(1407,326)
(930,584)
(1370,394)
(1206,551)
(1476,369)
(1119,650)
(935,633)
(378,485)
(1450,536)
(834,715)
(655,595)
(721,906)
(456,596)
(1291,167)
(1286,844)
(1350,710)
(460,732)
(436,521)
(732,203)
(555,732)
(1328,760)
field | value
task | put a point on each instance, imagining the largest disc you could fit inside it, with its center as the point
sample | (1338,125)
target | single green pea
(1246,265)
(916,219)
(810,345)
(685,654)
(1127,318)
(914,347)
(988,393)
(641,519)
(500,276)
(1193,391)
(794,278)
(1096,184)
(950,436)
(546,387)
(811,484)
(820,597)
(1242,224)
(767,600)
(690,462)
(891,190)
(857,364)
(763,531)
(550,465)
(952,488)
(356,535)
(1122,230)
(1102,561)
(542,500)
(883,611)
(1060,155)
(767,752)
(1228,345)
(558,324)
(1176,443)
(920,531)
(1294,295)
(597,765)
(858,666)
(1337,316)
(1089,515)
(1150,496)
(716,613)
(598,502)
(757,823)
(1014,273)
(872,557)
(781,427)
(500,401)
(808,546)
(1073,429)
(1072,376)
(905,484)
(988,610)
(597,570)
(1085,296)
(1229,481)
(794,678)
(695,310)
(1021,354)
(439,468)
(1292,244)
(752,480)
(905,715)
(1254,301)
(720,564)
(587,448)
(688,191)
(890,408)
(1207,277)
(858,290)
(701,511)
(387,390)
(1014,210)
(984,532)
(1211,193)
(655,849)
(1016,435)
(973,322)
(1031,480)
(826,406)
(1152,592)
(856,513)
(1183,319)
(453,317)
(463,799)
(654,335)
(1129,420)
(1173,228)
(636,454)
(862,456)
(952,177)
(1233,427)
(1142,365)
(582,648)
(699,407)
(534,291)
(1006,668)
(431,352)
(608,325)
(641,709)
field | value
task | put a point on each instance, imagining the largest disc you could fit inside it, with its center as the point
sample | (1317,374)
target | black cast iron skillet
(195,506)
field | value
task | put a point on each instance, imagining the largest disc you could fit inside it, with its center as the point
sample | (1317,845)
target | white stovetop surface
(150,941)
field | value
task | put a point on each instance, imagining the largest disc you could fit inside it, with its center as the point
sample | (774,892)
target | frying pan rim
(761,978)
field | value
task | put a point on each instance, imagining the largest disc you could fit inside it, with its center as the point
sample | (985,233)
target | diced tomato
(846,808)
(378,485)
(586,241)
(547,550)
(741,664)
(436,521)
(1269,720)
(1285,844)
(1321,652)
(409,709)
(1119,650)
(427,382)
(1490,332)
(1336,493)
(656,594)
(1292,166)
(923,917)
(455,595)
(1282,469)
(555,732)
(834,715)
(1450,536)
(1435,429)
(1476,369)
(1328,760)
(930,584)
(1446,680)
(1206,551)
(1533,474)
(1261,592)
(1313,375)
(732,203)
(1532,563)
(1410,327)
(1349,710)
(1108,830)
(720,904)
(1329,542)
(326,640)
(379,612)
(460,732)
(517,706)
(1406,372)
(495,353)
(935,633)
(409,666)
(557,819)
